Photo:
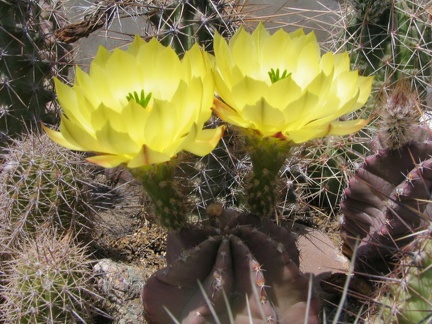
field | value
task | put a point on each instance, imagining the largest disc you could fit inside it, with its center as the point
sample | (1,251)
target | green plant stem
(170,205)
(267,156)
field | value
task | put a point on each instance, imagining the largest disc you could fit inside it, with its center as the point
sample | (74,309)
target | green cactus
(29,58)
(248,269)
(217,177)
(169,203)
(326,165)
(181,24)
(175,23)
(48,281)
(406,297)
(42,182)
(391,40)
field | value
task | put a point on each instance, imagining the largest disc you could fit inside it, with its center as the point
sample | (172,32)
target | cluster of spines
(400,113)
(29,58)
(170,204)
(217,177)
(179,24)
(320,171)
(47,281)
(406,296)
(43,183)
(391,40)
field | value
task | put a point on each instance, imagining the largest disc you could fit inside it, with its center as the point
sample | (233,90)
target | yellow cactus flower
(280,86)
(139,107)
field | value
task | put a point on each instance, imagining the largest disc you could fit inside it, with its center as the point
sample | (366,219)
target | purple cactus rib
(387,200)
(252,261)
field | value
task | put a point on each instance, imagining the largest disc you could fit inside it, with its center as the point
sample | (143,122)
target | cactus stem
(267,156)
(169,203)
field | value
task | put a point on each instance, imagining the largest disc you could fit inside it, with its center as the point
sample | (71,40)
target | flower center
(141,98)
(276,76)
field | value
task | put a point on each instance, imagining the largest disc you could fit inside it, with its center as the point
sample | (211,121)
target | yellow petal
(101,57)
(249,92)
(304,135)
(347,127)
(365,86)
(283,92)
(228,114)
(298,113)
(116,142)
(107,161)
(59,139)
(265,118)
(147,156)
(77,136)
(307,67)
(245,50)
(206,141)
(135,47)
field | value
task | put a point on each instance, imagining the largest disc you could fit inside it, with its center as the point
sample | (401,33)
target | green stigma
(275,75)
(141,99)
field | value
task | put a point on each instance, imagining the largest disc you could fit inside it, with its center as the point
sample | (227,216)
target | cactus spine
(29,58)
(388,198)
(407,296)
(391,40)
(42,182)
(48,281)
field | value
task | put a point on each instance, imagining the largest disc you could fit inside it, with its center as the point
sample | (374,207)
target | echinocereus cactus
(42,183)
(320,170)
(29,58)
(141,108)
(388,198)
(248,270)
(391,40)
(386,201)
(48,281)
(282,92)
(406,297)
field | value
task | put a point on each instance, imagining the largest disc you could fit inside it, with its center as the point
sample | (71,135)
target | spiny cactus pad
(387,200)
(251,261)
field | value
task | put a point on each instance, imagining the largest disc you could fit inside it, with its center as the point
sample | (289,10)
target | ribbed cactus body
(180,24)
(29,58)
(42,182)
(387,200)
(391,40)
(250,260)
(407,296)
(326,166)
(48,281)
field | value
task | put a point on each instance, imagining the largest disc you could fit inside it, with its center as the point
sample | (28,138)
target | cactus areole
(388,200)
